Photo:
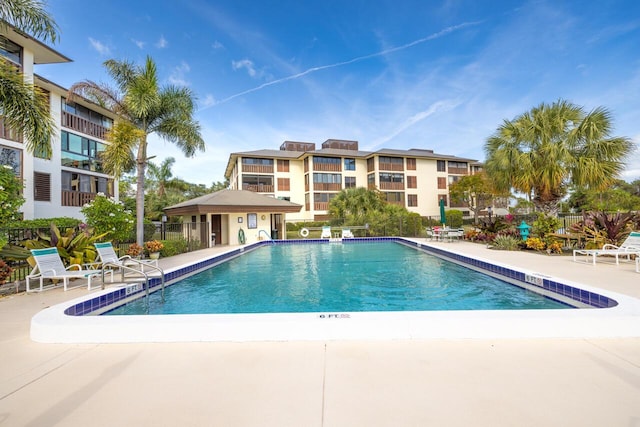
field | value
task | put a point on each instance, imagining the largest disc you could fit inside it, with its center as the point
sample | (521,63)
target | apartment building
(62,184)
(298,172)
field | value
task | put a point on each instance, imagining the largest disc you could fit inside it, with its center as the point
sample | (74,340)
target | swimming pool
(79,320)
(357,277)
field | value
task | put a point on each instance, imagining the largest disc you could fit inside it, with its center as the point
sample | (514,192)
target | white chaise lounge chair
(49,266)
(326,232)
(631,246)
(106,254)
(347,234)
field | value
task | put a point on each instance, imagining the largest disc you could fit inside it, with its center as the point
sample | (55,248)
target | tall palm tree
(23,106)
(543,151)
(161,175)
(143,107)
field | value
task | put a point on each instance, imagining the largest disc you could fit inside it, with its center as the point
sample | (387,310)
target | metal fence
(187,237)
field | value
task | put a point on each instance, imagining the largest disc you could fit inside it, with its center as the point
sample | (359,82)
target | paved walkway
(543,382)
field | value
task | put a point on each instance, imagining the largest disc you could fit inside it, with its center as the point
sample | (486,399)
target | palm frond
(29,16)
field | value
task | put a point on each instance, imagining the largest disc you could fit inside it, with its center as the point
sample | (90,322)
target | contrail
(351,61)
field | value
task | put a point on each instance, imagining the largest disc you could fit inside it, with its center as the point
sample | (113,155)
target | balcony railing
(391,166)
(392,185)
(324,186)
(327,167)
(76,198)
(257,168)
(83,125)
(321,206)
(259,188)
(8,133)
(458,171)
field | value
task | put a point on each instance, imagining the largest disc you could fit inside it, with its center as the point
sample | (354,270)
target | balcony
(321,206)
(392,185)
(458,171)
(257,168)
(323,186)
(391,166)
(76,198)
(83,125)
(258,188)
(327,167)
(8,133)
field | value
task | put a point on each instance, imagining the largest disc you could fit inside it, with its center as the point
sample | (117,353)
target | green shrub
(505,243)
(454,218)
(60,222)
(107,215)
(174,247)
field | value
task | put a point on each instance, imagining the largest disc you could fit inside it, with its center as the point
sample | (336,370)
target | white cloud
(246,64)
(100,47)
(217,45)
(162,43)
(138,43)
(177,76)
(208,100)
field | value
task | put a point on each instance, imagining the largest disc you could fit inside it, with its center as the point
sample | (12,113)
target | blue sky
(439,75)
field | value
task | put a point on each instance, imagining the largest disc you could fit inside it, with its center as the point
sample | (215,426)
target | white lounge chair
(49,266)
(106,254)
(631,246)
(347,234)
(326,232)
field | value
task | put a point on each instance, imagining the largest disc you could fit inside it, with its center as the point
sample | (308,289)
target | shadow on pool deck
(375,383)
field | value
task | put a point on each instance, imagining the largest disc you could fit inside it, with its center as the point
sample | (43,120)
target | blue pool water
(385,276)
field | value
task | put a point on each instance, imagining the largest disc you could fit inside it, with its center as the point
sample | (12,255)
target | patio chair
(631,246)
(455,234)
(326,232)
(49,266)
(106,254)
(347,234)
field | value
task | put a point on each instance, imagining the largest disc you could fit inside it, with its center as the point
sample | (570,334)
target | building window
(42,187)
(411,164)
(283,165)
(79,189)
(371,181)
(395,198)
(284,184)
(258,183)
(442,166)
(412,182)
(329,164)
(327,181)
(349,182)
(371,164)
(442,197)
(391,163)
(85,113)
(454,178)
(81,153)
(458,167)
(10,50)
(349,164)
(11,157)
(412,200)
(442,183)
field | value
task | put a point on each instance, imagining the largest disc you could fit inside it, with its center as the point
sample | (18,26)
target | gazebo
(231,217)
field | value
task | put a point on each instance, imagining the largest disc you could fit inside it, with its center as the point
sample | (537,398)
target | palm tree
(143,108)
(161,175)
(355,204)
(23,106)
(543,151)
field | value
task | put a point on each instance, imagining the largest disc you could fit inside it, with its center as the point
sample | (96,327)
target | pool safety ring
(304,232)
(241,238)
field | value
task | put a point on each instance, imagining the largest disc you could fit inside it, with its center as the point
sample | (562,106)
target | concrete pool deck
(443,382)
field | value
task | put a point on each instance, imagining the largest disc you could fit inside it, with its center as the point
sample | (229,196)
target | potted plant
(154,247)
(135,250)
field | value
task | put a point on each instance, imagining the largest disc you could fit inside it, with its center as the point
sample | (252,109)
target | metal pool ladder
(138,274)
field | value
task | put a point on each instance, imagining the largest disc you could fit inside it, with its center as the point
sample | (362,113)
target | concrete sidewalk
(541,382)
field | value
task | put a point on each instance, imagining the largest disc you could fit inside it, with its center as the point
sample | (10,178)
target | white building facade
(298,172)
(60,185)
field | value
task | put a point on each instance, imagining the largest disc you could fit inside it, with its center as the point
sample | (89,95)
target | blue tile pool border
(103,302)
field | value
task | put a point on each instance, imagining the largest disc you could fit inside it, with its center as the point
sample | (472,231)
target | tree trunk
(141,164)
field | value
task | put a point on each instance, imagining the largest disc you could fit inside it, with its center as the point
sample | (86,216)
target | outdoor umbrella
(443,216)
